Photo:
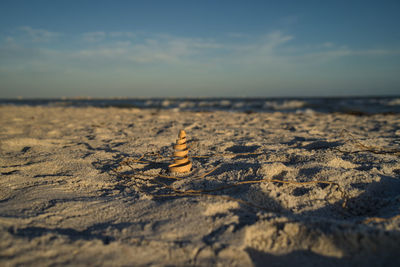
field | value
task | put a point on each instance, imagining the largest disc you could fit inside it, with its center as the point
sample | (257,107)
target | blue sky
(199,48)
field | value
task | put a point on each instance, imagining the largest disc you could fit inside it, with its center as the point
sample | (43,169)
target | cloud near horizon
(176,63)
(38,35)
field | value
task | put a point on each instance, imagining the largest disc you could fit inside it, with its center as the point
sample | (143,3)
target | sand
(71,192)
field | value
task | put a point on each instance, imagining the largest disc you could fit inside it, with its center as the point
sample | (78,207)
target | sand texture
(266,189)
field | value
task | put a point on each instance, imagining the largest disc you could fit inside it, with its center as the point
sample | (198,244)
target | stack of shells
(181,162)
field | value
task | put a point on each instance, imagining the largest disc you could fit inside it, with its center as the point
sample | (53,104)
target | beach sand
(73,192)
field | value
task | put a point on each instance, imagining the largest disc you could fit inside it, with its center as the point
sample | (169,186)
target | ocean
(351,105)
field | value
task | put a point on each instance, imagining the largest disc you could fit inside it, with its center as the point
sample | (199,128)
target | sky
(199,48)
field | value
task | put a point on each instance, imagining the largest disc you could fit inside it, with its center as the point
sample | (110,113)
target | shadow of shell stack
(181,162)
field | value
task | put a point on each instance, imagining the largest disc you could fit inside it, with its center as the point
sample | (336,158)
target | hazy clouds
(39,63)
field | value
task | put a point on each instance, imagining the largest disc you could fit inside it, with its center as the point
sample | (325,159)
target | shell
(181,162)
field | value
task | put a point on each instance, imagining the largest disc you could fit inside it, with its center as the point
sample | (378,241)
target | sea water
(351,105)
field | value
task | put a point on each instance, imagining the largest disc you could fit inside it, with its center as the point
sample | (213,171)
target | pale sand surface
(61,203)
